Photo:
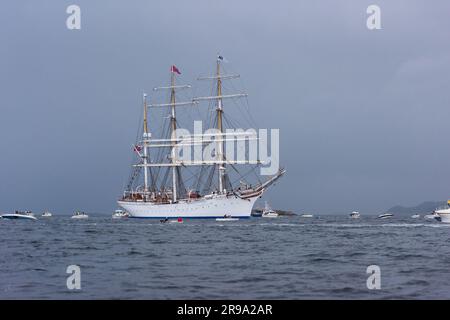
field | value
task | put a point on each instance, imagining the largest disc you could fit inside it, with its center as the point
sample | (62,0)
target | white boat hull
(355,215)
(432,217)
(215,207)
(18,216)
(444,214)
(80,217)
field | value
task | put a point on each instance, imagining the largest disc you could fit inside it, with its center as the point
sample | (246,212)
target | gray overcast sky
(364,115)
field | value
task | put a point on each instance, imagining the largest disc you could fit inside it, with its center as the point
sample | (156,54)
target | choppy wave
(249,259)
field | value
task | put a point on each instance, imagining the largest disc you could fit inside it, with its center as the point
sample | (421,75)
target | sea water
(258,258)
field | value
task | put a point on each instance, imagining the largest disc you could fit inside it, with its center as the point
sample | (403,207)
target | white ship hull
(215,207)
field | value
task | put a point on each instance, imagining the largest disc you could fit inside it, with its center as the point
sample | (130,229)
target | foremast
(220,161)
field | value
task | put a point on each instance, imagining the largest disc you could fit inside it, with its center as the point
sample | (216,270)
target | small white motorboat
(119,214)
(433,216)
(227,217)
(19,215)
(385,216)
(257,213)
(355,215)
(47,214)
(415,216)
(268,212)
(444,213)
(306,215)
(80,215)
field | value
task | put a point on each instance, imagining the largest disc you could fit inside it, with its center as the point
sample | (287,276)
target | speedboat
(19,215)
(118,214)
(269,212)
(444,213)
(385,216)
(47,214)
(80,215)
(227,217)
(433,216)
(415,216)
(257,213)
(355,215)
(306,215)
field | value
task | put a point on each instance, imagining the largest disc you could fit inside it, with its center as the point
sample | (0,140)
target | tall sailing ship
(157,184)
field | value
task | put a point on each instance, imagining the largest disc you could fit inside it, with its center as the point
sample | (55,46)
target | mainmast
(220,165)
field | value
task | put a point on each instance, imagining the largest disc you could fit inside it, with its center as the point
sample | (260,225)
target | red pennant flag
(174,69)
(137,149)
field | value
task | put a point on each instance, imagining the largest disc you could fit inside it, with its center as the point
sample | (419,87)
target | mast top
(144,97)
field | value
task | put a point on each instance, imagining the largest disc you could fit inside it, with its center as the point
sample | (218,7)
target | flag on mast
(221,58)
(174,69)
(137,149)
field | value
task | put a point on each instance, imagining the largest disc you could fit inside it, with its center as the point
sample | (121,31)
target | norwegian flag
(174,69)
